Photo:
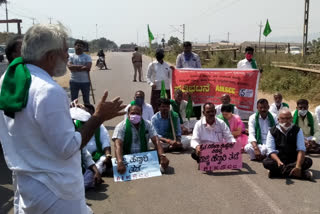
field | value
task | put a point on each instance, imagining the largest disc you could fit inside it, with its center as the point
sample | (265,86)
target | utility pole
(209,38)
(305,27)
(228,37)
(96,31)
(50,20)
(260,26)
(33,19)
(184,32)
(137,38)
(7,17)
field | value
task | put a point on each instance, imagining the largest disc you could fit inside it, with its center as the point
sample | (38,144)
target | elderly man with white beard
(37,134)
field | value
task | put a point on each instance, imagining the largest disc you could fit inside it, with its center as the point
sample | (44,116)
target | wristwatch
(108,155)
(163,155)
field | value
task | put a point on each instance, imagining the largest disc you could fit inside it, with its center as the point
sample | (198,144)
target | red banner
(207,85)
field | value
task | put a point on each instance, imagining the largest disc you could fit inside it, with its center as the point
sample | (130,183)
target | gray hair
(42,38)
(284,110)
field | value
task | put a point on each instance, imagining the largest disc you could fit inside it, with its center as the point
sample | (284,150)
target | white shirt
(41,141)
(147,111)
(264,127)
(244,64)
(158,72)
(218,132)
(218,110)
(193,62)
(317,114)
(273,109)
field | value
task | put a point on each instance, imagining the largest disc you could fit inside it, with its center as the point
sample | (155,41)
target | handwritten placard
(139,165)
(220,156)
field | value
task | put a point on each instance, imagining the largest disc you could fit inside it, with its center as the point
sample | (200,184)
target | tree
(174,41)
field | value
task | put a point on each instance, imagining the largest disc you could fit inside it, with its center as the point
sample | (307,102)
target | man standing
(259,125)
(37,134)
(80,64)
(278,104)
(137,64)
(225,100)
(248,62)
(309,125)
(158,71)
(188,59)
(286,149)
(209,129)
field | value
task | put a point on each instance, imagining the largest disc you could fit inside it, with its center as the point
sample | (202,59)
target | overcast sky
(125,21)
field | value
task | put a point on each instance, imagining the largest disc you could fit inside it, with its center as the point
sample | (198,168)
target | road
(185,189)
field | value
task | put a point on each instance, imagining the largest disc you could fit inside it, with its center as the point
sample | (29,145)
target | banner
(139,165)
(208,85)
(220,156)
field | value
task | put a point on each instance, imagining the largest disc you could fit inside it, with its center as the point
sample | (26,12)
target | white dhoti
(249,149)
(33,197)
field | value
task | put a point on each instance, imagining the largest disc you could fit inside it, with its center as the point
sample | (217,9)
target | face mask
(303,112)
(283,125)
(249,56)
(139,101)
(135,118)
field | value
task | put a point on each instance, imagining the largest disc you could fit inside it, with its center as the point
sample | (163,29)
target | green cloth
(309,118)
(253,64)
(128,137)
(174,117)
(15,87)
(150,36)
(285,105)
(257,126)
(97,154)
(267,29)
(189,108)
(163,93)
(176,108)
(220,116)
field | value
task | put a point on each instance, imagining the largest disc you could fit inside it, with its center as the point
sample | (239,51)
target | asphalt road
(185,189)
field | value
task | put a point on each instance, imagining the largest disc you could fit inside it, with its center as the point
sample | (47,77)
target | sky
(125,21)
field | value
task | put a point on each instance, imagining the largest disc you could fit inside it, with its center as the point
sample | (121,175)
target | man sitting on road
(278,104)
(286,149)
(225,100)
(167,126)
(259,125)
(132,135)
(209,129)
(147,110)
(309,125)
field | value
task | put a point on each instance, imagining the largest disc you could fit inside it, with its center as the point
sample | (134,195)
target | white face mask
(303,112)
(283,125)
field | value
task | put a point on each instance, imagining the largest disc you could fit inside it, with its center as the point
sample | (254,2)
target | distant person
(249,62)
(278,104)
(188,59)
(317,114)
(158,71)
(306,120)
(137,64)
(259,125)
(80,64)
(286,150)
(225,100)
(101,58)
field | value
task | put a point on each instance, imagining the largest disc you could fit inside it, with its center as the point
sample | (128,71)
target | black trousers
(285,170)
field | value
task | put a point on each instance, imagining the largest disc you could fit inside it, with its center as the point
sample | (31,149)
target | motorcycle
(100,63)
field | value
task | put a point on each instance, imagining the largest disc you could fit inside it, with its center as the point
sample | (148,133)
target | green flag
(267,29)
(163,93)
(189,108)
(150,35)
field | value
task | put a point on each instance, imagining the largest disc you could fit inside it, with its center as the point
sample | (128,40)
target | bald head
(285,118)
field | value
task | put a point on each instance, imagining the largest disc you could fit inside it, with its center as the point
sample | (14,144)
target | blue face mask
(139,101)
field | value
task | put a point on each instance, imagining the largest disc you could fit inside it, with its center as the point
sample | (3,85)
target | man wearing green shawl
(307,121)
(259,125)
(278,104)
(248,62)
(132,136)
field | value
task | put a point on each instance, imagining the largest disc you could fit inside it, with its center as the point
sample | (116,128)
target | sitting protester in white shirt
(209,129)
(225,100)
(259,125)
(278,104)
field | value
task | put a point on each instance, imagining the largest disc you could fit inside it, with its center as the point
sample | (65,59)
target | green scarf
(285,105)
(220,116)
(257,126)
(253,64)
(309,118)
(232,108)
(15,87)
(174,117)
(163,92)
(189,108)
(97,154)
(128,137)
(176,109)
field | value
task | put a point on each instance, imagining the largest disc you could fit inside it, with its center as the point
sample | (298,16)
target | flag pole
(91,88)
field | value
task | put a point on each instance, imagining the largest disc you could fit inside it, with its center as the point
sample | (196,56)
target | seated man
(286,149)
(278,104)
(167,126)
(209,129)
(147,110)
(132,135)
(225,99)
(309,125)
(259,125)
(91,176)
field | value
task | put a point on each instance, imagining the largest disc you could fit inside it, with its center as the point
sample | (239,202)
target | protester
(259,125)
(158,70)
(147,110)
(249,62)
(132,135)
(137,64)
(167,126)
(235,124)
(38,137)
(286,149)
(309,125)
(91,174)
(317,114)
(209,130)
(278,104)
(188,59)
(102,57)
(80,64)
(225,100)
